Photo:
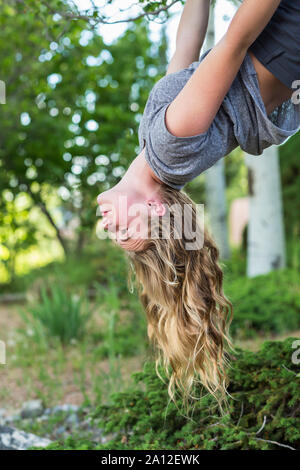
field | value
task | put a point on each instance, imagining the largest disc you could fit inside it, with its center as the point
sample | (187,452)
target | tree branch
(40,203)
(94,16)
(262,426)
(274,442)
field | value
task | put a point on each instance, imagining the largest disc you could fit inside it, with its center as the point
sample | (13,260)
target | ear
(156,207)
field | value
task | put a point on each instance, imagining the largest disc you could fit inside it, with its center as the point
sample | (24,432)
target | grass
(77,372)
(58,314)
(83,369)
(87,369)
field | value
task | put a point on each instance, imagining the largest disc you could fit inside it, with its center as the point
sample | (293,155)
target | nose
(105,210)
(103,206)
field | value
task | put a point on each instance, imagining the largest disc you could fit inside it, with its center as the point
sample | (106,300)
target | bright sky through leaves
(111,32)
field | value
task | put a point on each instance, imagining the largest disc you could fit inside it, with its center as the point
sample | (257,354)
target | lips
(105,221)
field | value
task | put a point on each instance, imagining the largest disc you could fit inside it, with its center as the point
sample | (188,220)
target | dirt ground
(19,384)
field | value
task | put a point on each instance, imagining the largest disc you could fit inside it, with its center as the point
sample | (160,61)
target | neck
(140,174)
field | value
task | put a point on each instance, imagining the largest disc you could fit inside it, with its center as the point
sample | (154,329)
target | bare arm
(190,34)
(195,107)
(250,20)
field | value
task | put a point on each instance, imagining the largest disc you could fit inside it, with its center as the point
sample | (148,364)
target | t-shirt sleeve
(175,160)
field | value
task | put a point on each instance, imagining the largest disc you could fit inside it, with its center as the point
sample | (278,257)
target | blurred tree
(95,14)
(215,180)
(17,232)
(290,174)
(266,241)
(290,170)
(69,127)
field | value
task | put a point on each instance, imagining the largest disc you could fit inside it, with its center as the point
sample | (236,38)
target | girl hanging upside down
(242,92)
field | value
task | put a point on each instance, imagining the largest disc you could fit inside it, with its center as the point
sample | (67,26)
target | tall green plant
(59,314)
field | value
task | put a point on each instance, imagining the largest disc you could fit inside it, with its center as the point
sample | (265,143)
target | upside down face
(125,216)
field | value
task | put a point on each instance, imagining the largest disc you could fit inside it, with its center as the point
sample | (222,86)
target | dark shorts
(278,46)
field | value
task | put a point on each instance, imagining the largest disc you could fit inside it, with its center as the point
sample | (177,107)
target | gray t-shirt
(241,120)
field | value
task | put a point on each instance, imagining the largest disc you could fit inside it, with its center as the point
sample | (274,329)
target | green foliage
(263,411)
(100,263)
(100,273)
(69,128)
(290,174)
(17,232)
(57,315)
(264,304)
(98,14)
(235,266)
(44,427)
(124,324)
(236,176)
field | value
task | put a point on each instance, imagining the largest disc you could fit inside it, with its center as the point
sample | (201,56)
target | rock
(42,419)
(87,423)
(32,409)
(13,439)
(11,419)
(60,430)
(87,409)
(70,408)
(65,409)
(72,419)
(107,437)
(2,416)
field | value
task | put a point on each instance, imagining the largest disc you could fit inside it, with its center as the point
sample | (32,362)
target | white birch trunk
(266,241)
(215,180)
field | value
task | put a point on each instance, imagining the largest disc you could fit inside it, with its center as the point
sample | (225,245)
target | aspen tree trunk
(266,241)
(215,180)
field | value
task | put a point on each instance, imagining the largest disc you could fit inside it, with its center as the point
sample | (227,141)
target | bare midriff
(272,90)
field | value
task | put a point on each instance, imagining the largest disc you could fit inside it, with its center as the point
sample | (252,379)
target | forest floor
(69,374)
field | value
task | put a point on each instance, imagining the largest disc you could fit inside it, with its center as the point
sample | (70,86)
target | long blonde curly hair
(187,312)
